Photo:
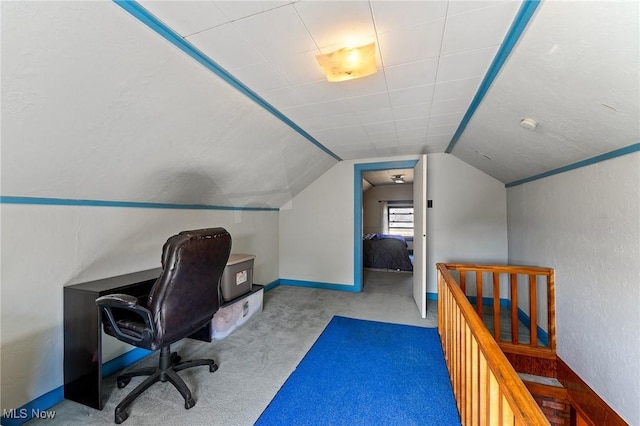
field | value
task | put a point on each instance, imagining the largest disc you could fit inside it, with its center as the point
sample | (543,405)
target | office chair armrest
(129,303)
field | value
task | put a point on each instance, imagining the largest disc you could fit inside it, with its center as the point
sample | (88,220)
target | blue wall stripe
(4,199)
(159,27)
(513,35)
(597,159)
(271,285)
(488,301)
(357,209)
(315,284)
(543,336)
(124,360)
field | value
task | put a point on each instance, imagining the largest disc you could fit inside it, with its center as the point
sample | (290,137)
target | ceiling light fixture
(347,64)
(398,178)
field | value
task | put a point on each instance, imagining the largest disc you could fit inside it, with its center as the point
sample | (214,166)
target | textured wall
(47,247)
(468,221)
(466,224)
(586,224)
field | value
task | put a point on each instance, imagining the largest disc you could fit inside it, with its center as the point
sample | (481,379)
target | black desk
(83,332)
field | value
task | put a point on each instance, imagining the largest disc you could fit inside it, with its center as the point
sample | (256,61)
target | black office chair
(182,300)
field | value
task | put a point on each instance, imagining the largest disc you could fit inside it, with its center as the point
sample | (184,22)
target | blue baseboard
(124,360)
(543,336)
(315,284)
(40,408)
(271,285)
(488,301)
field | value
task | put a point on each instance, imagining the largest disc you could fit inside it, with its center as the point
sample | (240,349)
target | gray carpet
(254,360)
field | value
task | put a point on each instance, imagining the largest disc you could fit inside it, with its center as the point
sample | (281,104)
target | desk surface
(120,282)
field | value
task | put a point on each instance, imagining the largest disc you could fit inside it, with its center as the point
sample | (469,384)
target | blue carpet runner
(367,373)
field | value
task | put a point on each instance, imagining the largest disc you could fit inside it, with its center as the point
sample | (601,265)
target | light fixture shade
(398,178)
(347,64)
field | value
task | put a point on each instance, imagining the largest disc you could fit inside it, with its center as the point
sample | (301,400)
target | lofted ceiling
(222,103)
(574,71)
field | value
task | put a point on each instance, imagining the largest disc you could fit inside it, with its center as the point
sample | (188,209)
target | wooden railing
(517,276)
(488,390)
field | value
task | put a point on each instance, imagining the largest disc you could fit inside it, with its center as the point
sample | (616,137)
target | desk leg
(82,348)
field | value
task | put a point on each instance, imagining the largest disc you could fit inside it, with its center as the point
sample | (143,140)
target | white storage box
(237,277)
(231,316)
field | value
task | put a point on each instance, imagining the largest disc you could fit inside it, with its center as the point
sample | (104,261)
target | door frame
(357,209)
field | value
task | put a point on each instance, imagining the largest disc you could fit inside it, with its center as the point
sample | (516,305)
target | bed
(382,251)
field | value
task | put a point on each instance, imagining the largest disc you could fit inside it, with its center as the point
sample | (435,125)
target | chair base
(170,364)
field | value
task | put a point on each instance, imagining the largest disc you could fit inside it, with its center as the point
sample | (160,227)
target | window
(400,220)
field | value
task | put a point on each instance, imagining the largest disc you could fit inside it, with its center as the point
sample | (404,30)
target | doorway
(359,171)
(419,244)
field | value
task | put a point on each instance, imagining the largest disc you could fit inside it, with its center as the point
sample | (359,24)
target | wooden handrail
(510,269)
(488,391)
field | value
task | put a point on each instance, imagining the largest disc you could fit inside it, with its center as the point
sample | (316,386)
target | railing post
(551,310)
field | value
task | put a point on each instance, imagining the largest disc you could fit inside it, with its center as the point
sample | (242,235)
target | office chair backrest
(185,296)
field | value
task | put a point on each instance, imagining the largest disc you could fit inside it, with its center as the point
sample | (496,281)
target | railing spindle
(479,293)
(533,314)
(514,309)
(496,307)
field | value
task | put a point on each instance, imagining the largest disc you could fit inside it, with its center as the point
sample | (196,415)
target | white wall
(45,248)
(316,230)
(586,224)
(468,222)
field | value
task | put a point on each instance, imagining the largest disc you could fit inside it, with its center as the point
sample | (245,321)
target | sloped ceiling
(576,72)
(96,105)
(431,58)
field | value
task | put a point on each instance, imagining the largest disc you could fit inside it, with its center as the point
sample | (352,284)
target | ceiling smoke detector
(528,124)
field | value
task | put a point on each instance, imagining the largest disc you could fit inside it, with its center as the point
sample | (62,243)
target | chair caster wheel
(121,418)
(213,368)
(123,382)
(189,403)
